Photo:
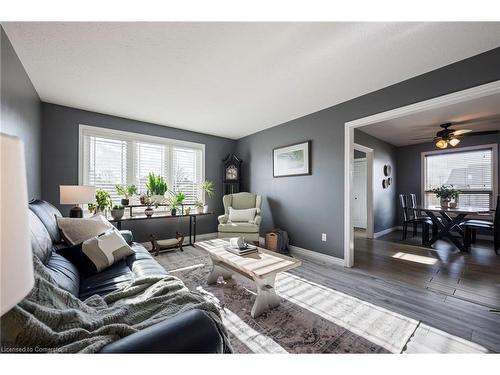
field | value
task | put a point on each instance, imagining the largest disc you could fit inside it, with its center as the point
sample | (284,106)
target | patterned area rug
(310,318)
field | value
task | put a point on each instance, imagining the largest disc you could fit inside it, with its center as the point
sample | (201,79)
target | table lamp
(76,194)
(15,242)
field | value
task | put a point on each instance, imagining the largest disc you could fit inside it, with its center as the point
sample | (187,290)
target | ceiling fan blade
(478,120)
(460,132)
(486,132)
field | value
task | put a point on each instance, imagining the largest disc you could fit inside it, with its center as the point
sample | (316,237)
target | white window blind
(107,164)
(186,165)
(149,157)
(109,157)
(469,171)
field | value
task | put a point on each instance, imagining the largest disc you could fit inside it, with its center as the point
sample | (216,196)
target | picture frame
(292,160)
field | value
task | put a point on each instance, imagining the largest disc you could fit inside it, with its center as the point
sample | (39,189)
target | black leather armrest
(190,332)
(127,235)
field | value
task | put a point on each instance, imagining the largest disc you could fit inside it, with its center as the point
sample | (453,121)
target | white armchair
(249,229)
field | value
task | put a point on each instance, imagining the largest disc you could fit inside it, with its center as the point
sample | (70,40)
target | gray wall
(60,161)
(307,206)
(21,113)
(410,169)
(384,200)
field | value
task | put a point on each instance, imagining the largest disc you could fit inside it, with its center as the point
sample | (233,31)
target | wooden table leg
(444,229)
(266,296)
(217,271)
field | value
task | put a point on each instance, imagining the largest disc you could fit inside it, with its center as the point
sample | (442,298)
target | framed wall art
(292,160)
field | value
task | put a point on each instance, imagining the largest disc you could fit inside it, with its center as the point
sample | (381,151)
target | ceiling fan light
(441,143)
(454,141)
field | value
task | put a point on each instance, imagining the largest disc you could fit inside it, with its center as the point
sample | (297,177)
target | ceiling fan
(448,136)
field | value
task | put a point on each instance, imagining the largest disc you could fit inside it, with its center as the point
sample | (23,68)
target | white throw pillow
(242,215)
(106,249)
(77,230)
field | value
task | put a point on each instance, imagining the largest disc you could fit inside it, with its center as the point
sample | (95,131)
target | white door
(359,209)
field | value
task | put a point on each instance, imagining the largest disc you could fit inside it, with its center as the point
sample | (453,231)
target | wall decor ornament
(387,170)
(292,160)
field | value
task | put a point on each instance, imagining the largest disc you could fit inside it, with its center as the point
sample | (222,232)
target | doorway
(442,103)
(362,191)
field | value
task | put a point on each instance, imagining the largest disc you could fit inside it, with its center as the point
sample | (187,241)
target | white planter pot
(157,199)
(199,210)
(205,209)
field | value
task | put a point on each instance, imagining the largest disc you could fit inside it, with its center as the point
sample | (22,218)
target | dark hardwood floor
(447,324)
(472,277)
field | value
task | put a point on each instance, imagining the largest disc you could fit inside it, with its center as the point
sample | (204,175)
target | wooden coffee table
(261,267)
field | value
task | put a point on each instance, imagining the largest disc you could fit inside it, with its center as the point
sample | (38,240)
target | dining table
(448,220)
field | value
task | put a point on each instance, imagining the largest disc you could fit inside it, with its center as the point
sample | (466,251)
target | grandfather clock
(232,174)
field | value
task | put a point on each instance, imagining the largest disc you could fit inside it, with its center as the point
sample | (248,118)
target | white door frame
(369,187)
(441,101)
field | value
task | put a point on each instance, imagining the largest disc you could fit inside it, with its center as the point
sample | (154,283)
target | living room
(188,187)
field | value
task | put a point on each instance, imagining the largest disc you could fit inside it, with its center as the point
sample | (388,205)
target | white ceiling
(477,115)
(232,79)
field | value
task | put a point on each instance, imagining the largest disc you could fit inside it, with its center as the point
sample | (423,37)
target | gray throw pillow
(106,249)
(77,230)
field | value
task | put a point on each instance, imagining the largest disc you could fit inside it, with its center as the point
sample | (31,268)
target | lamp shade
(76,194)
(15,243)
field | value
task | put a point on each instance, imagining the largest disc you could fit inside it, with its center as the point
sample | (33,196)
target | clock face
(231,173)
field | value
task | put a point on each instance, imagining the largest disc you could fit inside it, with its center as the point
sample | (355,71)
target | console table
(157,216)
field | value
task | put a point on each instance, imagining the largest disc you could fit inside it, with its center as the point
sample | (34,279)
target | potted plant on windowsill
(446,193)
(103,201)
(208,187)
(126,191)
(199,207)
(147,201)
(175,201)
(157,187)
(117,211)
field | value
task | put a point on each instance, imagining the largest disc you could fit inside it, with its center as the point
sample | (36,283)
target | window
(110,157)
(472,170)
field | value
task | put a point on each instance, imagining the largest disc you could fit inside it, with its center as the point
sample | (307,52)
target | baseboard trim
(310,255)
(384,232)
(419,230)
(315,256)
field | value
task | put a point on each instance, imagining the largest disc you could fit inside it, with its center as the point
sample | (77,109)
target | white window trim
(494,165)
(86,130)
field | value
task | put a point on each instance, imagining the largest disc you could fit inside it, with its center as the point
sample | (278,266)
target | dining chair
(409,218)
(415,212)
(472,226)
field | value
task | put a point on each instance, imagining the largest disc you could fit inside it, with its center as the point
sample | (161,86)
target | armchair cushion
(238,228)
(245,215)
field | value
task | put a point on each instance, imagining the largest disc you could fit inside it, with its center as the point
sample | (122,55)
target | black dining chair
(472,226)
(410,218)
(413,209)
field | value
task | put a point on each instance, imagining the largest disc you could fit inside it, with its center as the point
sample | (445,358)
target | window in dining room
(472,170)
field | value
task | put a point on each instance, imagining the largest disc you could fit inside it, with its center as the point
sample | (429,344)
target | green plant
(126,191)
(118,207)
(446,192)
(198,204)
(156,185)
(208,187)
(91,207)
(103,199)
(176,199)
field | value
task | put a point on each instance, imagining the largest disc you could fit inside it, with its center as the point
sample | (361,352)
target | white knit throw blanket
(50,319)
